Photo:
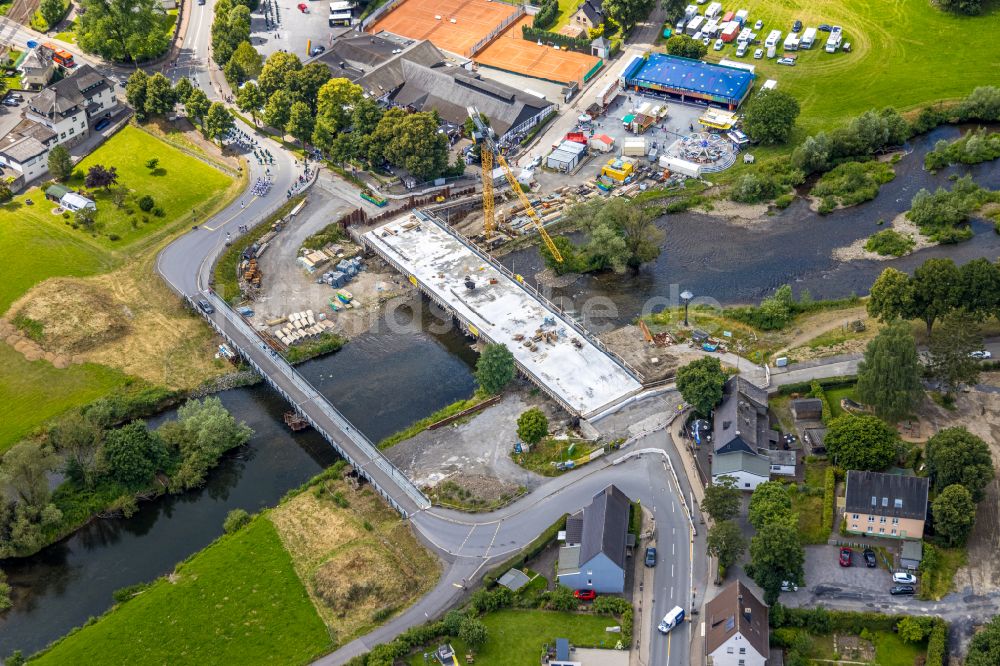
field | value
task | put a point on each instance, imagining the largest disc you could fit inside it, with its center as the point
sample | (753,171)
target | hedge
(817,392)
(572,43)
(937,643)
(534,548)
(546,15)
(822,621)
(807,387)
(829,497)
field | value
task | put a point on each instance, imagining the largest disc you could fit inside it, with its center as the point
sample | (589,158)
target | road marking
(466,539)
(458,585)
(255,197)
(673,548)
(673,506)
(668,648)
(702,625)
(671,570)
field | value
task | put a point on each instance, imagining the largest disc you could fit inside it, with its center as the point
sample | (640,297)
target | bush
(937,643)
(829,497)
(546,16)
(158,212)
(123,594)
(146,203)
(572,43)
(938,214)
(784,201)
(852,183)
(236,520)
(890,242)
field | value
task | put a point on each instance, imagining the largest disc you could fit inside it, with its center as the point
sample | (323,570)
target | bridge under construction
(550,348)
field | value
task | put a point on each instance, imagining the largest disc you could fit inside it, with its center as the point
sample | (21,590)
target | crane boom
(487,149)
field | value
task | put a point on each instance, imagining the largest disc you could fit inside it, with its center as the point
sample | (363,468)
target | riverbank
(338,563)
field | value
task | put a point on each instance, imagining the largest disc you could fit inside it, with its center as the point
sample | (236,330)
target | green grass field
(906,54)
(238,601)
(179,185)
(33,392)
(809,507)
(517,636)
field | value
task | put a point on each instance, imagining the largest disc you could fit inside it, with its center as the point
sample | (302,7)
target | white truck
(833,41)
(671,619)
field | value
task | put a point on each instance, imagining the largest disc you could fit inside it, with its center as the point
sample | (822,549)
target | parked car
(788,586)
(585,595)
(823,27)
(758,25)
(787,61)
(316,50)
(10,102)
(981,355)
(101,124)
(901,589)
(206,307)
(870,558)
(719,44)
(796,26)
(706,40)
(758,54)
(650,557)
(15,95)
(904,579)
(741,50)
(846,556)
(201,2)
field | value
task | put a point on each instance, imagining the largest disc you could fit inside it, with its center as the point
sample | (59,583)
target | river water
(382,381)
(743,263)
(388,378)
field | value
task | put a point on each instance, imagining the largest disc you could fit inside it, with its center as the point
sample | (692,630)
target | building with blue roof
(689,80)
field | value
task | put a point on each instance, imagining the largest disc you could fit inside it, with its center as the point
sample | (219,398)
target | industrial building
(688,80)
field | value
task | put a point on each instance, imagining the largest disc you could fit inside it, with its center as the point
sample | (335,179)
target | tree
(152,163)
(495,368)
(277,71)
(913,629)
(980,288)
(891,296)
(236,520)
(776,555)
(250,100)
(984,649)
(101,176)
(122,30)
(182,89)
(278,108)
(197,105)
(135,92)
(635,225)
(78,438)
(726,542)
(770,503)
(951,347)
(416,145)
(954,515)
(203,431)
(230,28)
(60,163)
(701,383)
(686,47)
(131,454)
(247,62)
(889,375)
(722,499)
(305,83)
(472,632)
(861,442)
(937,287)
(770,116)
(5,602)
(300,122)
(218,121)
(24,472)
(968,7)
(626,12)
(336,101)
(160,98)
(52,11)
(86,217)
(532,426)
(955,455)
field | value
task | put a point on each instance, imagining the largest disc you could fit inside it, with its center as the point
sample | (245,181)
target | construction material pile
(300,326)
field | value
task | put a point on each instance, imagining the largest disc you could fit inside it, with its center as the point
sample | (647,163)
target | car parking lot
(823,571)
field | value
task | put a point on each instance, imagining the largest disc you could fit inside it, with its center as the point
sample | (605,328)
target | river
(388,378)
(382,381)
(742,263)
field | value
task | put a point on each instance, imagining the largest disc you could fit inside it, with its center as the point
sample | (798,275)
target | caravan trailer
(773,38)
(833,41)
(694,25)
(808,38)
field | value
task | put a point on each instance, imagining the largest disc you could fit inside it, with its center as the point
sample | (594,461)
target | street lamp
(686,296)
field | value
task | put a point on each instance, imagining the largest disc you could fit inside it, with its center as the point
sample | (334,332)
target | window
(743,650)
(895,521)
(870,528)
(746,485)
(885,501)
(881,519)
(881,530)
(898,503)
(71,130)
(63,135)
(874,501)
(894,532)
(729,650)
(871,519)
(743,662)
(855,516)
(83,125)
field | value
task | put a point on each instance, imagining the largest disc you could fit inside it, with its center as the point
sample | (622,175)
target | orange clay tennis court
(474,19)
(511,52)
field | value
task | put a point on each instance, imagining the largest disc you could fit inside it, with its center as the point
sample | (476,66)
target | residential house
(419,78)
(887,505)
(736,631)
(741,431)
(588,15)
(597,540)
(69,107)
(782,461)
(25,149)
(37,69)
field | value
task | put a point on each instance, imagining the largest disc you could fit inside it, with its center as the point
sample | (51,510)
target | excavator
(490,154)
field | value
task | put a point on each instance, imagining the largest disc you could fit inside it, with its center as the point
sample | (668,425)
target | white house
(25,149)
(69,107)
(741,429)
(782,462)
(736,632)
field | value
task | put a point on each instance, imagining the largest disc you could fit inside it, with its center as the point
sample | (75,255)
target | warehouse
(689,80)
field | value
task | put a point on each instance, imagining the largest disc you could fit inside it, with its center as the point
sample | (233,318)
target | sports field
(451,25)
(906,54)
(511,52)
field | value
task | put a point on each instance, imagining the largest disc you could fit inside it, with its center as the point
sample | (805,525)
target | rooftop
(605,524)
(741,420)
(736,609)
(741,461)
(893,495)
(584,378)
(704,78)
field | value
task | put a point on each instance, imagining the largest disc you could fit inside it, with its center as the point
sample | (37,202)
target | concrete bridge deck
(574,368)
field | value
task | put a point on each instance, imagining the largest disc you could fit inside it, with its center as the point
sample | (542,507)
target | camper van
(833,41)
(773,38)
(808,38)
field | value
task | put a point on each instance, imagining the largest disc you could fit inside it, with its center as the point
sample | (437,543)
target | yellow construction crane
(490,151)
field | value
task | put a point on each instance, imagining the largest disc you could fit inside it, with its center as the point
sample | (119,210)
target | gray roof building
(741,420)
(352,57)
(891,495)
(27,140)
(741,461)
(596,546)
(592,9)
(65,97)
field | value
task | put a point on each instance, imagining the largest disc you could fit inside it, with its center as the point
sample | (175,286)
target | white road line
(673,548)
(466,539)
(671,570)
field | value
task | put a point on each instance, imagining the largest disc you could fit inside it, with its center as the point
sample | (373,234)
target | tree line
(106,468)
(151,96)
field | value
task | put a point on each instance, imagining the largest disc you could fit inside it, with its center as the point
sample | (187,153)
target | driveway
(824,574)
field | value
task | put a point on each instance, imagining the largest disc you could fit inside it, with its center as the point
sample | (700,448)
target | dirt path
(820,323)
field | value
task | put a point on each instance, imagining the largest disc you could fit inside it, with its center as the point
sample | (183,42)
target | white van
(671,619)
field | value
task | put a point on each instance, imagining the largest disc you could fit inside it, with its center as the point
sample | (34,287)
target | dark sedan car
(870,558)
(901,589)
(206,307)
(650,557)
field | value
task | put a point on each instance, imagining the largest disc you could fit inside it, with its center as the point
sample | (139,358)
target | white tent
(73,201)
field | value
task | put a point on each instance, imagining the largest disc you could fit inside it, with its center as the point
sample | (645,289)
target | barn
(689,80)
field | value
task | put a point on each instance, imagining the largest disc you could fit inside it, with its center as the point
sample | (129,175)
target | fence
(378,13)
(495,32)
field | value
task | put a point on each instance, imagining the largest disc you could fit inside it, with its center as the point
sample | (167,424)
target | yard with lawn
(238,601)
(544,456)
(808,504)
(884,648)
(32,392)
(907,54)
(518,636)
